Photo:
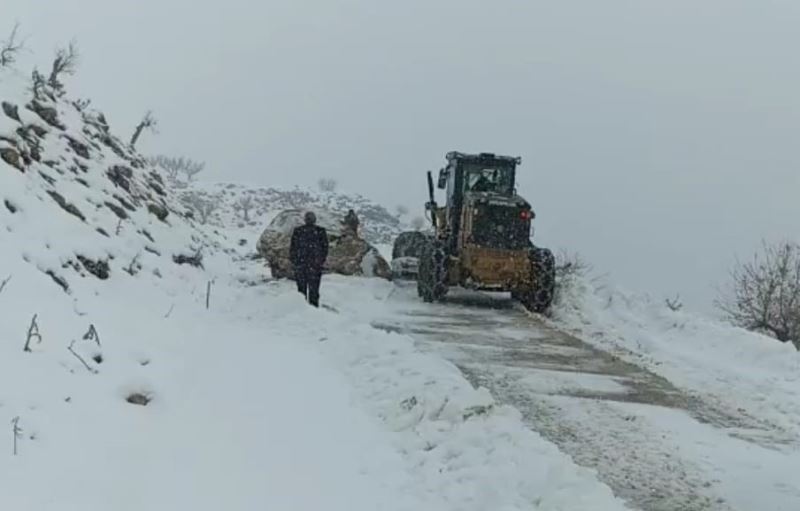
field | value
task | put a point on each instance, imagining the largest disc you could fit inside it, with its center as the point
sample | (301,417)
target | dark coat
(309,247)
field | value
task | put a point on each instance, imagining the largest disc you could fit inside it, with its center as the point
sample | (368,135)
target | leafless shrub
(570,269)
(193,169)
(174,166)
(203,207)
(417,223)
(64,63)
(674,304)
(33,333)
(134,267)
(570,264)
(82,104)
(37,84)
(11,47)
(327,184)
(764,293)
(148,122)
(245,205)
(92,335)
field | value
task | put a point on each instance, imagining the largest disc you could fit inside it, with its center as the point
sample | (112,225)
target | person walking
(307,253)
(351,223)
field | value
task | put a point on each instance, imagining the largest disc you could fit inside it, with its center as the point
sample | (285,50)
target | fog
(658,139)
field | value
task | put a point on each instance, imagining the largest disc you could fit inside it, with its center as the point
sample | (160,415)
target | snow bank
(462,450)
(727,364)
(241,417)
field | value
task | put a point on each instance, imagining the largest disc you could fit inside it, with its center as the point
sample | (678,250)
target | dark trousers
(308,281)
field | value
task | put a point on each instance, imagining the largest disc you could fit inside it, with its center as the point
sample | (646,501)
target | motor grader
(482,235)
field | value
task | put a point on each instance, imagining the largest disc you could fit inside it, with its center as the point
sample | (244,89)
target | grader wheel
(543,272)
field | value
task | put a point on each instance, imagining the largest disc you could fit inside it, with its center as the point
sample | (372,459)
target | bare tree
(174,166)
(65,63)
(192,169)
(327,184)
(245,205)
(10,48)
(764,294)
(168,164)
(147,122)
(417,223)
(203,207)
(401,210)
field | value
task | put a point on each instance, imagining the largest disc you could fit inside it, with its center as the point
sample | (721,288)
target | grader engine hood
(497,222)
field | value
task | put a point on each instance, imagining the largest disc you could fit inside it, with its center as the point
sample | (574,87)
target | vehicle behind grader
(482,235)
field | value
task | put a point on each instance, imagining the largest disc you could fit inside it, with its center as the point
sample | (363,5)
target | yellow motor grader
(482,235)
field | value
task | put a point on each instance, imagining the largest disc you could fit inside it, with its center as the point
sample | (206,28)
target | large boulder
(347,255)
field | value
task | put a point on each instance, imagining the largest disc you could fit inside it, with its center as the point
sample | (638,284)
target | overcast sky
(659,139)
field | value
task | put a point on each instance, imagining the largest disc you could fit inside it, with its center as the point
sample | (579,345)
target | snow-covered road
(657,446)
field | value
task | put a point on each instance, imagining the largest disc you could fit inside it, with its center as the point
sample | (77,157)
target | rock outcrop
(348,254)
(79,202)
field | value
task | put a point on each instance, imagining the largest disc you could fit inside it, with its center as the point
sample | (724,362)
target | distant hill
(243,211)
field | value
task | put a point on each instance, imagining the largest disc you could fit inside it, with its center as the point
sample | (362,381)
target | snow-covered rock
(77,202)
(348,254)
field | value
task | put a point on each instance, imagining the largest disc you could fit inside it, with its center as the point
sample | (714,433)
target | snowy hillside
(77,202)
(243,212)
(145,365)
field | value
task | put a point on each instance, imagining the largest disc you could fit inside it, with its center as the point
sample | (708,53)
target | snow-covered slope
(738,369)
(243,212)
(77,202)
